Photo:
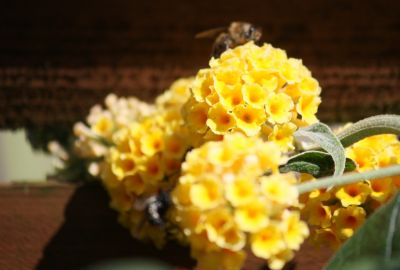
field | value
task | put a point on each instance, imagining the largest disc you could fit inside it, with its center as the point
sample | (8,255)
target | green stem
(375,125)
(348,179)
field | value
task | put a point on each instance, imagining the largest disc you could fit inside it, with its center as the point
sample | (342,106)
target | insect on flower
(156,207)
(238,33)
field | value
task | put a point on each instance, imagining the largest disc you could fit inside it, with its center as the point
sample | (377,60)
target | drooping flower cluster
(255,90)
(334,215)
(83,157)
(223,202)
(93,139)
(146,159)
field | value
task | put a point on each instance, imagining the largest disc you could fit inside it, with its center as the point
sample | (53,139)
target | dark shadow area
(91,234)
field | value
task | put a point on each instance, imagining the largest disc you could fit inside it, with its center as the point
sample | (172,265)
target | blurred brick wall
(59,58)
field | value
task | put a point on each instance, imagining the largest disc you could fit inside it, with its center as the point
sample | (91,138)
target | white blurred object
(18,162)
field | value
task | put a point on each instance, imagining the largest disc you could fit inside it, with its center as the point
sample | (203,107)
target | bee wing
(211,33)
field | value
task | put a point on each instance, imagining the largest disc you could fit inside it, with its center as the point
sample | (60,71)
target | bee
(238,33)
(156,208)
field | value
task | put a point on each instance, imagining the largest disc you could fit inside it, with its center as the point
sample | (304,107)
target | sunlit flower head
(258,85)
(223,203)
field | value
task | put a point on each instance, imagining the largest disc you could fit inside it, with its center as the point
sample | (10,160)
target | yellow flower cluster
(254,90)
(177,94)
(223,202)
(145,159)
(334,215)
(92,138)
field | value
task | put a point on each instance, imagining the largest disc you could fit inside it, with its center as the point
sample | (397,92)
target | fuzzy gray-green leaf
(322,135)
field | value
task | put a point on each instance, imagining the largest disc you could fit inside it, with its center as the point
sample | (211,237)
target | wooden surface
(59,58)
(55,226)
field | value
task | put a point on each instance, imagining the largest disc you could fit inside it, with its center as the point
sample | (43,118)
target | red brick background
(59,58)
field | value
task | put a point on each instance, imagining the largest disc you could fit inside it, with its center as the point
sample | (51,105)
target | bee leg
(221,44)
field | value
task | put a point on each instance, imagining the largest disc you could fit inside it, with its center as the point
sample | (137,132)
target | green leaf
(316,163)
(379,238)
(322,135)
(301,166)
(373,264)
(375,125)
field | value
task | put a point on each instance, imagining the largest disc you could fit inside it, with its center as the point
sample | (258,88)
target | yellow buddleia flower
(123,164)
(365,157)
(290,70)
(201,86)
(228,95)
(222,202)
(249,119)
(295,230)
(134,184)
(255,95)
(104,126)
(353,194)
(177,94)
(241,191)
(206,194)
(144,160)
(121,200)
(171,165)
(278,261)
(268,82)
(252,217)
(336,213)
(347,220)
(318,214)
(283,136)
(152,142)
(309,86)
(381,189)
(232,238)
(269,156)
(256,84)
(219,119)
(268,242)
(279,191)
(196,115)
(307,107)
(152,170)
(190,219)
(216,222)
(174,146)
(278,108)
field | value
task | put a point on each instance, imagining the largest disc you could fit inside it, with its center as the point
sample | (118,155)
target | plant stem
(374,125)
(348,179)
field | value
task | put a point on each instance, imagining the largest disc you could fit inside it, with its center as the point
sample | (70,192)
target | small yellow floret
(252,217)
(347,220)
(249,119)
(353,194)
(278,108)
(219,119)
(267,242)
(206,194)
